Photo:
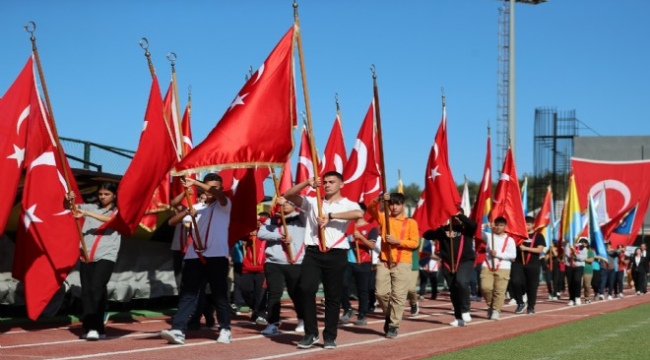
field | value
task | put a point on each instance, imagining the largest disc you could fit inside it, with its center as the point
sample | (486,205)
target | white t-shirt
(214,221)
(184,227)
(506,249)
(335,228)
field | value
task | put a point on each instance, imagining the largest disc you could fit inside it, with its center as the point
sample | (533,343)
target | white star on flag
(434,173)
(239,100)
(18,155)
(30,217)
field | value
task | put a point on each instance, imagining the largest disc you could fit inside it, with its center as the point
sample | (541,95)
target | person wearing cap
(574,261)
(525,270)
(395,269)
(455,248)
(501,249)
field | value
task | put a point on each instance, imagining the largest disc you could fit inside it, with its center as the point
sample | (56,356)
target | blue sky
(587,55)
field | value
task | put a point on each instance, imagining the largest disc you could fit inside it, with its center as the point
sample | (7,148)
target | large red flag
(245,188)
(14,109)
(483,204)
(440,198)
(47,245)
(361,171)
(507,200)
(151,163)
(625,184)
(286,180)
(335,156)
(305,167)
(256,130)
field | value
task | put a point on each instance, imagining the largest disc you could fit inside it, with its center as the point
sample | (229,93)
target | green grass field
(619,335)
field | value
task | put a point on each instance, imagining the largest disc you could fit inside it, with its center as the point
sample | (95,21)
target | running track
(420,336)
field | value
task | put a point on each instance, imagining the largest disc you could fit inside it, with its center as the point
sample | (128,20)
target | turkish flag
(335,156)
(286,180)
(483,204)
(544,218)
(625,184)
(507,200)
(188,145)
(305,167)
(14,109)
(47,244)
(361,173)
(440,198)
(245,188)
(256,129)
(152,161)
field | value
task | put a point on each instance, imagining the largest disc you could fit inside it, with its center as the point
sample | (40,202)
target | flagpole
(375,89)
(310,131)
(179,140)
(30,28)
(282,216)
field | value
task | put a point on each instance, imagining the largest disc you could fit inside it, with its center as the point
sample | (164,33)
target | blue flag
(596,239)
(625,226)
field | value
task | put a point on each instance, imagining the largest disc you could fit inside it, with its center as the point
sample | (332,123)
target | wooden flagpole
(381,160)
(282,216)
(30,28)
(180,147)
(310,131)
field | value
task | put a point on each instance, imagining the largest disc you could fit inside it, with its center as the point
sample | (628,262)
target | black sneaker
(361,320)
(415,309)
(347,314)
(392,332)
(530,311)
(307,341)
(329,344)
(520,309)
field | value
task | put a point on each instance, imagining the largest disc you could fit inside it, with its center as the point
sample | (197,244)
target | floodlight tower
(506,116)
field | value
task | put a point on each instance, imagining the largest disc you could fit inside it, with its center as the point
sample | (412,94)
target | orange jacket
(409,236)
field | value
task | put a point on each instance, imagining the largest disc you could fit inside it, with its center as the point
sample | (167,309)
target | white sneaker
(224,336)
(173,336)
(495,315)
(550,297)
(457,322)
(92,335)
(578,302)
(512,302)
(271,329)
(300,328)
(609,297)
(467,317)
(571,303)
(601,297)
(554,298)
(638,293)
(621,295)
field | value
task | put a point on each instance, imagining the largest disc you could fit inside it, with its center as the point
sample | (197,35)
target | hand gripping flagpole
(30,28)
(282,216)
(310,132)
(180,147)
(381,160)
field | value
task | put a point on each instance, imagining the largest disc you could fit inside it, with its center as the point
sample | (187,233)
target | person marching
(575,265)
(501,249)
(394,271)
(526,268)
(362,242)
(328,263)
(104,244)
(458,260)
(279,268)
(208,265)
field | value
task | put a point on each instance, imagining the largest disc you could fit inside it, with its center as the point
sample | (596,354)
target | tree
(412,192)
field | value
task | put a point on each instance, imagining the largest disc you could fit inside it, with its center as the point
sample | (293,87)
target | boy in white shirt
(501,249)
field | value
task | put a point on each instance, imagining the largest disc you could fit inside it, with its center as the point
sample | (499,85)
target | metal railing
(89,155)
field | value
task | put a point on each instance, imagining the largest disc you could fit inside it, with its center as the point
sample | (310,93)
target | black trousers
(360,273)
(525,280)
(329,268)
(251,287)
(195,276)
(459,287)
(94,277)
(548,277)
(277,276)
(574,278)
(372,281)
(640,281)
(432,279)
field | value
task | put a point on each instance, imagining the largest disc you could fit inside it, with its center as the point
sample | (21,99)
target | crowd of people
(341,245)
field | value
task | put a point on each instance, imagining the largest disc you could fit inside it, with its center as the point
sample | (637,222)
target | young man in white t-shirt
(208,265)
(324,264)
(501,250)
